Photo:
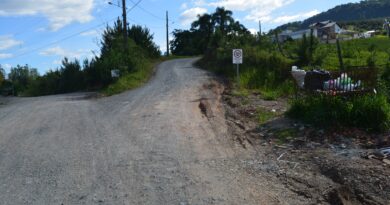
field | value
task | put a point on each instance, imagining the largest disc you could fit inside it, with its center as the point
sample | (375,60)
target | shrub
(371,112)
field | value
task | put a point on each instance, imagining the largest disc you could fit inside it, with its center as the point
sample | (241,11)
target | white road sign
(115,73)
(237,56)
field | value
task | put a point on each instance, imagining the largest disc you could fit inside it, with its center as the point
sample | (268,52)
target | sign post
(237,59)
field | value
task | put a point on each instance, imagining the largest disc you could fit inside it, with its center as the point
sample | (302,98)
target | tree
(209,32)
(222,19)
(143,38)
(2,76)
(21,76)
(184,43)
(203,29)
(71,76)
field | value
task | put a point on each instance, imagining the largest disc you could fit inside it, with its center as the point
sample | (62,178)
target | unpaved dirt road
(152,145)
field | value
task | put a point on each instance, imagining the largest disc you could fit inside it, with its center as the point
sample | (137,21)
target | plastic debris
(386,151)
(299,76)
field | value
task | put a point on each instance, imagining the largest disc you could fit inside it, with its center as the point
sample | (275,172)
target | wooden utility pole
(124,25)
(259,28)
(339,54)
(167,34)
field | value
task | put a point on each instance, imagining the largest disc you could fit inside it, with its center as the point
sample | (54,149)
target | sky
(41,33)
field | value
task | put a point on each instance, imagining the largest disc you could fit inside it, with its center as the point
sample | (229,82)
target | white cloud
(7,66)
(58,51)
(257,9)
(57,62)
(199,3)
(190,15)
(300,16)
(5,55)
(253,31)
(59,13)
(183,6)
(7,42)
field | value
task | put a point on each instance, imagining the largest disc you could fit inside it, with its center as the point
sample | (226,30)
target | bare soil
(322,166)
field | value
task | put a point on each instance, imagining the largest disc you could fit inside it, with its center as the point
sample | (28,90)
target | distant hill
(367,11)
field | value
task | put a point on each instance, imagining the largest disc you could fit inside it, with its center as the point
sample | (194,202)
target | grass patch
(286,135)
(269,94)
(136,78)
(240,92)
(264,115)
(371,112)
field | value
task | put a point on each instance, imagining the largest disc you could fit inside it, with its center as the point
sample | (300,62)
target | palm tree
(204,23)
(222,19)
(204,29)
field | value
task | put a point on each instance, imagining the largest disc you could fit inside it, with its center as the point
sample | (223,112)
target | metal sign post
(237,59)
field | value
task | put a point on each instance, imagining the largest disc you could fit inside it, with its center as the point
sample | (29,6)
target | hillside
(353,13)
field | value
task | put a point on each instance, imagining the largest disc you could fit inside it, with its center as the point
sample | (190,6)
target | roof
(329,25)
(323,24)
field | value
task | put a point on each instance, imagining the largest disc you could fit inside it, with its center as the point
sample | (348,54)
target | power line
(150,13)
(135,5)
(63,39)
(72,35)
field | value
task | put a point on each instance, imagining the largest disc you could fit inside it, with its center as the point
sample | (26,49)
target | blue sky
(41,32)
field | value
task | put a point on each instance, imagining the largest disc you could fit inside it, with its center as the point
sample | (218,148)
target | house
(299,34)
(288,34)
(326,29)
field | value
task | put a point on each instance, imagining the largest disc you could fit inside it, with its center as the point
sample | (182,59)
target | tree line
(92,74)
(208,32)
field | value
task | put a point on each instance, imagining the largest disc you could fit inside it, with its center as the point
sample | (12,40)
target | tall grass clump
(262,70)
(370,112)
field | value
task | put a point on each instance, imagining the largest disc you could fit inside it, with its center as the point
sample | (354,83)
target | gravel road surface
(152,145)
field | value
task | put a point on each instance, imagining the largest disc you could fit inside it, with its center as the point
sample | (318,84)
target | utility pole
(167,35)
(124,25)
(259,28)
(339,54)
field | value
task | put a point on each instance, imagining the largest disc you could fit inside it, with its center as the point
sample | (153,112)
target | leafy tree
(222,19)
(2,76)
(209,32)
(184,43)
(71,76)
(143,38)
(21,76)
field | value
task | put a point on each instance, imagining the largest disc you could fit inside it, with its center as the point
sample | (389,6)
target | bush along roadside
(135,78)
(135,65)
(370,112)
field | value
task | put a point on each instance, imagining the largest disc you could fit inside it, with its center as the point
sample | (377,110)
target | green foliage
(371,112)
(267,69)
(94,74)
(21,76)
(264,115)
(2,76)
(305,50)
(357,52)
(72,78)
(209,32)
(261,70)
(131,80)
(144,39)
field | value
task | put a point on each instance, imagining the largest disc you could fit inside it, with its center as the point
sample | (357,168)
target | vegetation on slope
(364,15)
(267,66)
(94,74)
